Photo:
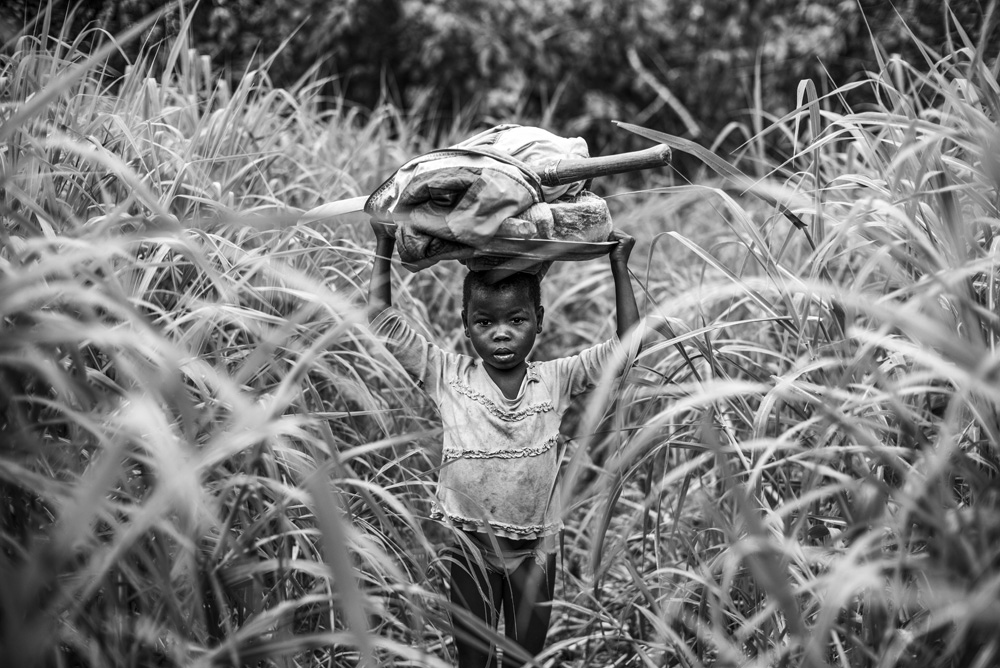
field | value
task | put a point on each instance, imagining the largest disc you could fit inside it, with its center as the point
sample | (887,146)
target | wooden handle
(567,171)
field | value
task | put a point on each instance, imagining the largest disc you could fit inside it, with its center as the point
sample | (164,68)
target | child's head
(524,284)
(502,318)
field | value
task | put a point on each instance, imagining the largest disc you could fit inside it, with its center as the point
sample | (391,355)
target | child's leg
(526,606)
(479,593)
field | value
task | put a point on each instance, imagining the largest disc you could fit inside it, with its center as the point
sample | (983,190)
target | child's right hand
(383,230)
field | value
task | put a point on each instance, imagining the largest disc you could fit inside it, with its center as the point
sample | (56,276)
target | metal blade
(342,211)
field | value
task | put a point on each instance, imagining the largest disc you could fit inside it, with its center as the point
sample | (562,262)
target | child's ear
(465,324)
(539,314)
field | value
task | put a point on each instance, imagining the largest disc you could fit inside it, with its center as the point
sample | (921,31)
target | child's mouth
(503,355)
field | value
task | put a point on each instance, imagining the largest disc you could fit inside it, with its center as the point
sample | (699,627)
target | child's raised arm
(380,285)
(627,310)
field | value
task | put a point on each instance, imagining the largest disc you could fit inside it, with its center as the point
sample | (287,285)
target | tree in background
(689,67)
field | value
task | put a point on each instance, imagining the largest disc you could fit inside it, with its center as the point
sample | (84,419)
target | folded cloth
(448,203)
(535,147)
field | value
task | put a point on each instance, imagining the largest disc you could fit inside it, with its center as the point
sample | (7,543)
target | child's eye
(517,321)
(483,323)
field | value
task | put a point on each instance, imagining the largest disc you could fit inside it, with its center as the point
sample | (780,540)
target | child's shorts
(505,555)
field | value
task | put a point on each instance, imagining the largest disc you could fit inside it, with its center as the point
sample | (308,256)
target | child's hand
(627,311)
(383,230)
(620,253)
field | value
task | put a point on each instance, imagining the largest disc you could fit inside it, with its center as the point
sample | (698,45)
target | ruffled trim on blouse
(516,453)
(499,528)
(506,416)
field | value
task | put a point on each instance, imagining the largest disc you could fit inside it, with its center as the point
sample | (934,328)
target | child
(501,418)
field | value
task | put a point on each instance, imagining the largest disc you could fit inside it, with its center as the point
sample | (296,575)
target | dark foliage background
(690,67)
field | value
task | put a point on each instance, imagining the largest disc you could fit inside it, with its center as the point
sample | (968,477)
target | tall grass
(207,460)
(177,378)
(830,430)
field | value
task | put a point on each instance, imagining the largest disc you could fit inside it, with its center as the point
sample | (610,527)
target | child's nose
(501,334)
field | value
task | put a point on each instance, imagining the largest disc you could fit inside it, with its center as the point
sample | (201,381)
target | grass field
(207,460)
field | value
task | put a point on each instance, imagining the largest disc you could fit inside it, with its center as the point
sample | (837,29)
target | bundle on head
(452,203)
(580,217)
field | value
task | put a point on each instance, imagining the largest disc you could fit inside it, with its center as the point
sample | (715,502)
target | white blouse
(501,456)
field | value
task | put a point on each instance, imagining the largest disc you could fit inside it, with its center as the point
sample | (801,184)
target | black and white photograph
(499,334)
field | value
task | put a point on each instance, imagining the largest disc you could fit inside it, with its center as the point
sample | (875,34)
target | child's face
(502,325)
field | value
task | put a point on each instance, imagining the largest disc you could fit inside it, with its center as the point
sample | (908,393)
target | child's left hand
(620,253)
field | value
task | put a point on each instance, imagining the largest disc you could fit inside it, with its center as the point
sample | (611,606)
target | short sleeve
(419,357)
(581,372)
